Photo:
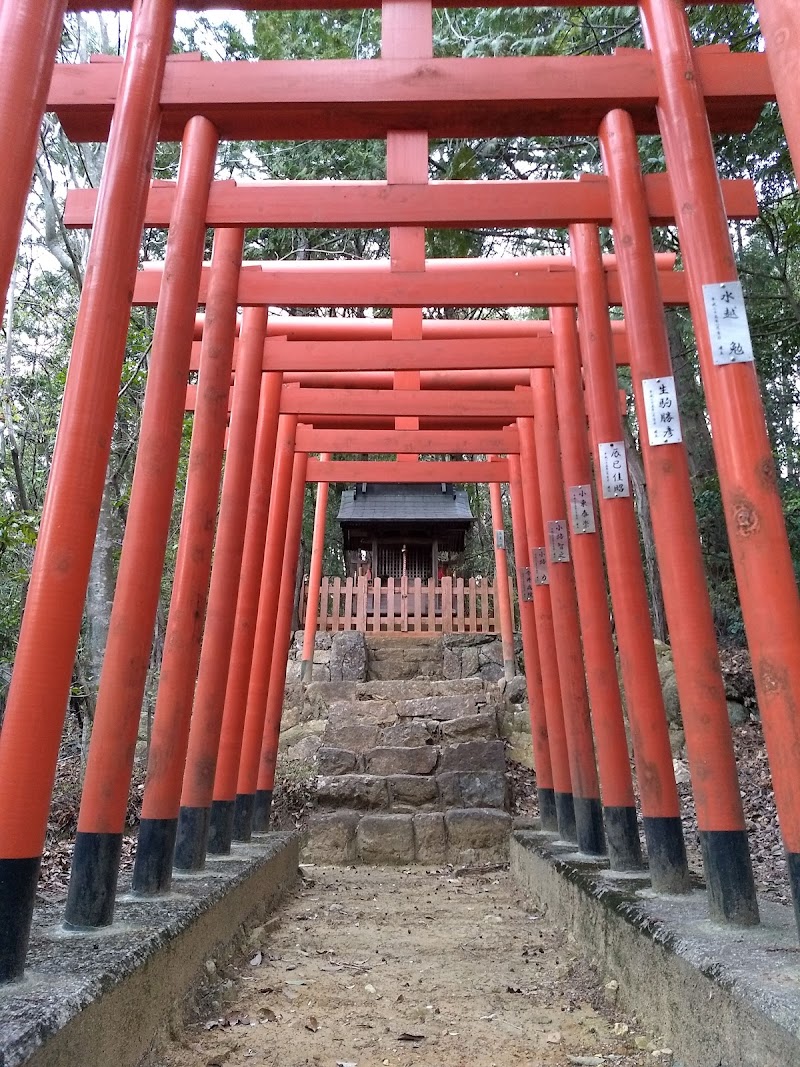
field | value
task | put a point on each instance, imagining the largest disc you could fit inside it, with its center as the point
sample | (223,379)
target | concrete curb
(102,996)
(718,996)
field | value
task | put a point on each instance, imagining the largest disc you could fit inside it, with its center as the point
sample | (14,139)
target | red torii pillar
(104,799)
(753,509)
(51,625)
(223,805)
(314,579)
(501,580)
(152,871)
(226,573)
(780,28)
(726,856)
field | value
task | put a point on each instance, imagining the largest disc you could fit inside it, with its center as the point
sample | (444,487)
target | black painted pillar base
(793,862)
(243,816)
(18,879)
(152,869)
(622,838)
(191,839)
(666,854)
(547,809)
(93,880)
(565,816)
(220,827)
(729,877)
(261,810)
(589,826)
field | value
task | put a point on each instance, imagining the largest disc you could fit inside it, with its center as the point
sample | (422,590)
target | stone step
(357,735)
(413,688)
(458,836)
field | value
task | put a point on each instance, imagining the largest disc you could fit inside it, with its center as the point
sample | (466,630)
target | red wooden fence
(403,605)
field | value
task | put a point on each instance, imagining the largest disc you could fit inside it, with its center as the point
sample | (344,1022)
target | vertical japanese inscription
(613,469)
(727,323)
(540,575)
(559,542)
(581,508)
(661,411)
(500,539)
(525,584)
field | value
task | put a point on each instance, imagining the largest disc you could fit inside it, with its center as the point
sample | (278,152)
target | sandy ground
(369,967)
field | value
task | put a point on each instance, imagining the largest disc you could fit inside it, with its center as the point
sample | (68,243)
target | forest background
(46,288)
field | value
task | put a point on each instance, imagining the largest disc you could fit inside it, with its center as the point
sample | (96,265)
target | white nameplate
(661,411)
(614,470)
(727,323)
(581,507)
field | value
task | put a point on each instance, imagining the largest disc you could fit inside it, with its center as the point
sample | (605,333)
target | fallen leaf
(268,1015)
(411,1037)
(554,1037)
(370,989)
(586,1061)
(256,960)
(312,1024)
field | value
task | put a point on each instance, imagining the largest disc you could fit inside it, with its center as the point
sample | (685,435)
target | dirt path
(369,967)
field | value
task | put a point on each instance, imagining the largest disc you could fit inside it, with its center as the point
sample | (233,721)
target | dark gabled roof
(405,503)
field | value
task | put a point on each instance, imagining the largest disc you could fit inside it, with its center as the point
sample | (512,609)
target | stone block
(289,738)
(363,712)
(451,663)
(492,653)
(418,760)
(389,690)
(467,640)
(470,662)
(440,708)
(517,690)
(477,834)
(361,791)
(408,732)
(305,751)
(475,756)
(385,839)
(491,672)
(412,791)
(348,657)
(321,695)
(449,789)
(483,791)
(355,737)
(458,687)
(335,761)
(430,839)
(482,726)
(331,838)
(293,671)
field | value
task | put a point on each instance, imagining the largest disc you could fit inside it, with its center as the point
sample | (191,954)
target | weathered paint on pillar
(530,652)
(37,698)
(152,871)
(501,581)
(314,579)
(104,799)
(704,708)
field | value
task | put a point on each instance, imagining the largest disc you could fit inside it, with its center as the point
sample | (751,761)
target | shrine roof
(384,503)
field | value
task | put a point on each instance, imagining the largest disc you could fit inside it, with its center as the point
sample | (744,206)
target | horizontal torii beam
(408,442)
(431,357)
(448,204)
(333,5)
(365,98)
(394,471)
(503,404)
(487,283)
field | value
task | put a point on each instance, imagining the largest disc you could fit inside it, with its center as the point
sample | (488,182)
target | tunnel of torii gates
(538,397)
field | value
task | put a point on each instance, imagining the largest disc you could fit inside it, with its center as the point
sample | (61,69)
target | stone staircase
(411,765)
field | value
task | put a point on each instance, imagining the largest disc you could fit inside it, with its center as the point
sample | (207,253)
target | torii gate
(405,96)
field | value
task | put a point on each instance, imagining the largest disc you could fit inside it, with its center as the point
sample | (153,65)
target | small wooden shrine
(403,531)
